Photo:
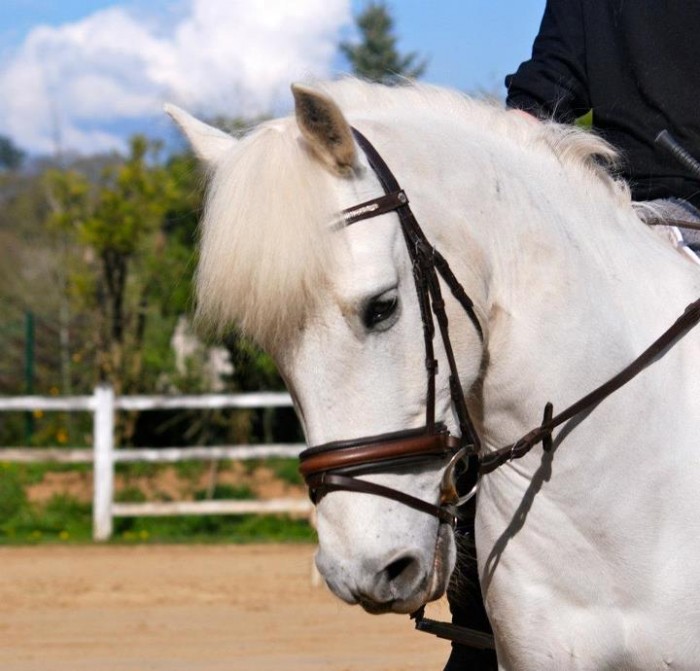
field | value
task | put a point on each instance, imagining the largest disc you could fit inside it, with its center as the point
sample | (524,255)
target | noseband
(333,466)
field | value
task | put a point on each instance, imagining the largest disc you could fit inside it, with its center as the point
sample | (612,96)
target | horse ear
(325,129)
(207,142)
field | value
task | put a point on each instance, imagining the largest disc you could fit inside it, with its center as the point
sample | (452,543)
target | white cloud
(217,57)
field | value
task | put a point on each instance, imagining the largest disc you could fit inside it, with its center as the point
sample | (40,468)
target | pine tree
(11,157)
(375,57)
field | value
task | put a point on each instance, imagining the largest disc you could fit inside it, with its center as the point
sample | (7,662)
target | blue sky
(89,72)
(471,44)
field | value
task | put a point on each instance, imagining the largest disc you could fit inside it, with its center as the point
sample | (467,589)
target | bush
(64,518)
(12,497)
(130,495)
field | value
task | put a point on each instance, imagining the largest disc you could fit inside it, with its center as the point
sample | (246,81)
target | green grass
(214,529)
(61,519)
(65,519)
(235,492)
(284,468)
(12,496)
(32,474)
(137,470)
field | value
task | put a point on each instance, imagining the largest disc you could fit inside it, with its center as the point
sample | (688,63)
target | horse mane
(575,147)
(264,239)
(266,243)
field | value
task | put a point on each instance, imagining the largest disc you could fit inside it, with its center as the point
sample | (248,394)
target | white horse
(589,555)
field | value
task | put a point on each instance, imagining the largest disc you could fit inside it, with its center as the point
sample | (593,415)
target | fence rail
(103,404)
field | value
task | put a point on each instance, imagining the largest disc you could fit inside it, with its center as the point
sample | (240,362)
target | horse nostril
(404,567)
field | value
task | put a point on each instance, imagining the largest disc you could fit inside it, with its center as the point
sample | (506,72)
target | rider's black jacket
(636,64)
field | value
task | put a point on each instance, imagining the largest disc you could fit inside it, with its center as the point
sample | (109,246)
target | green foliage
(65,519)
(102,251)
(139,469)
(32,474)
(129,251)
(63,512)
(12,497)
(62,518)
(375,57)
(214,528)
(191,471)
(130,495)
(286,470)
(117,213)
(253,368)
(223,491)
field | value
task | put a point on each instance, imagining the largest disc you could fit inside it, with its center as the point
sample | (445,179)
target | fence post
(103,466)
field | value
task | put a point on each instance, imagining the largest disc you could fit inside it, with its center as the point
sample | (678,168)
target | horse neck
(577,288)
(570,284)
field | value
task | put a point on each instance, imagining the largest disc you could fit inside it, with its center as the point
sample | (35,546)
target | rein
(333,466)
(543,433)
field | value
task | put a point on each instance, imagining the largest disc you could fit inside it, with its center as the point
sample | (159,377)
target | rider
(635,66)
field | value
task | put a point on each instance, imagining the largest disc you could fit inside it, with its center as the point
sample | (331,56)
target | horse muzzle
(400,577)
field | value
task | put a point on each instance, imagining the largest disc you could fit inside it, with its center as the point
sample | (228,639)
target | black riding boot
(466,601)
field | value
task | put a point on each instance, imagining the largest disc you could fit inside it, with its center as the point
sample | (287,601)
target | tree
(101,250)
(375,57)
(11,157)
(125,230)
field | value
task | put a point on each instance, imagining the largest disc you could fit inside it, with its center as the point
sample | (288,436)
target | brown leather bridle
(333,466)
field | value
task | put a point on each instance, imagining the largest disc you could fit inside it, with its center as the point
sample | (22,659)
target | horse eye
(379,310)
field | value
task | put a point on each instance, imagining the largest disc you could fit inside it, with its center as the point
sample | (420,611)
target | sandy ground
(194,608)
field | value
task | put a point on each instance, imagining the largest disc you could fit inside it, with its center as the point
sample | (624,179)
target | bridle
(333,466)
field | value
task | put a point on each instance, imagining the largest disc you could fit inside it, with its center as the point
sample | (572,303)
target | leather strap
(427,262)
(327,467)
(687,321)
(678,223)
(327,482)
(376,450)
(375,207)
(453,632)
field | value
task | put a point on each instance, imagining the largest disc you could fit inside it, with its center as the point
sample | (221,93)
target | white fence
(103,404)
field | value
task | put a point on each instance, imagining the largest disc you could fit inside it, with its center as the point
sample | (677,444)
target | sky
(83,75)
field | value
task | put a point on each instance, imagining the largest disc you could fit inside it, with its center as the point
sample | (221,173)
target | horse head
(562,291)
(346,336)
